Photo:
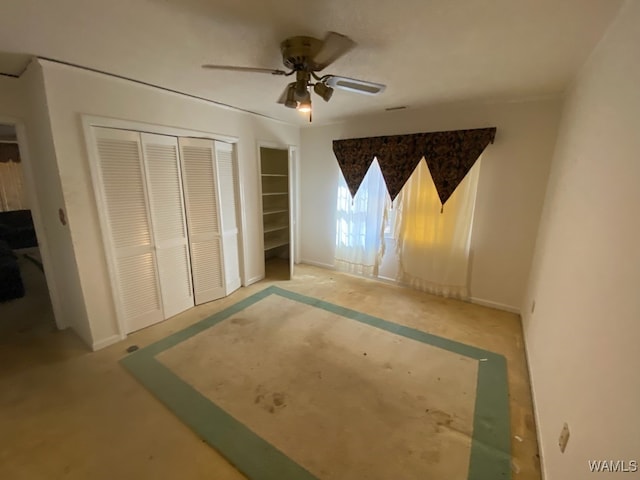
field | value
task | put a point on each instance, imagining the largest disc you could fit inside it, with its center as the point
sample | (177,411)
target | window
(359,223)
(432,244)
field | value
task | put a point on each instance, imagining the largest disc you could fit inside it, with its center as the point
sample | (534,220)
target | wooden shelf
(269,212)
(268,245)
(274,180)
(275,228)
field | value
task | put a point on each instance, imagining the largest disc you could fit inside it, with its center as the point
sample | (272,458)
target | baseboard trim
(475,300)
(496,305)
(536,416)
(389,280)
(105,342)
(253,280)
(318,264)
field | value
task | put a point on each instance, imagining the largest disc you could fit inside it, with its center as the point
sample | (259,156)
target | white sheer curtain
(360,224)
(433,247)
(12,193)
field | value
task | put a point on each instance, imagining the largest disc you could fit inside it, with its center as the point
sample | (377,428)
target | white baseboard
(105,342)
(496,305)
(389,280)
(318,264)
(536,413)
(253,280)
(477,301)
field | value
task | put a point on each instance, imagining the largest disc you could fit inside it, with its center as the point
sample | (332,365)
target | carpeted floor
(287,386)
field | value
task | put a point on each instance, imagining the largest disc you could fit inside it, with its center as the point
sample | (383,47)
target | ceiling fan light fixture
(302,85)
(290,101)
(304,101)
(323,91)
(304,106)
(300,91)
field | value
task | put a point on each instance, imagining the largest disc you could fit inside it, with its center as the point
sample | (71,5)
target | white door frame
(89,121)
(293,192)
(241,218)
(107,122)
(294,201)
(36,214)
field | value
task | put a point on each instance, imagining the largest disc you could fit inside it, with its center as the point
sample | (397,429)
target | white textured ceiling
(424,51)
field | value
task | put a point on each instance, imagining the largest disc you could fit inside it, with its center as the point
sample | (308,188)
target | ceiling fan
(304,56)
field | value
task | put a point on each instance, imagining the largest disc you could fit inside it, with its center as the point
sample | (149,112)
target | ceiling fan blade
(245,69)
(355,85)
(334,46)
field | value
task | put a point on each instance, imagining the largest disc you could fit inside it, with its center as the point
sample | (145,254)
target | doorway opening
(277,176)
(25,304)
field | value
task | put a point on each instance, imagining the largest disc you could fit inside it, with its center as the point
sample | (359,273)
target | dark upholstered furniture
(16,228)
(11,285)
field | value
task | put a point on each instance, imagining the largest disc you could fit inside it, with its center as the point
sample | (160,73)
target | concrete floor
(69,413)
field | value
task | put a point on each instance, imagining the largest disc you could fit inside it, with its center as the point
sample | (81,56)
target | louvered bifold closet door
(128,228)
(203,218)
(227,181)
(164,184)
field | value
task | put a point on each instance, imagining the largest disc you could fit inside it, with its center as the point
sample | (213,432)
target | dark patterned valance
(9,152)
(449,155)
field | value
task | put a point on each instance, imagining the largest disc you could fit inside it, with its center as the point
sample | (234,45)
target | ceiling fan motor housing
(298,52)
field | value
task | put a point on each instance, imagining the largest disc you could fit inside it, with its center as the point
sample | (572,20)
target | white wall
(24,100)
(72,92)
(510,191)
(582,339)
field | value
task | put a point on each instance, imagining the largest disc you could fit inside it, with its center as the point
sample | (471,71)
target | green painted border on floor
(259,460)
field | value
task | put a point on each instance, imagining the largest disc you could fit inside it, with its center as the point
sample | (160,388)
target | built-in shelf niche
(274,165)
